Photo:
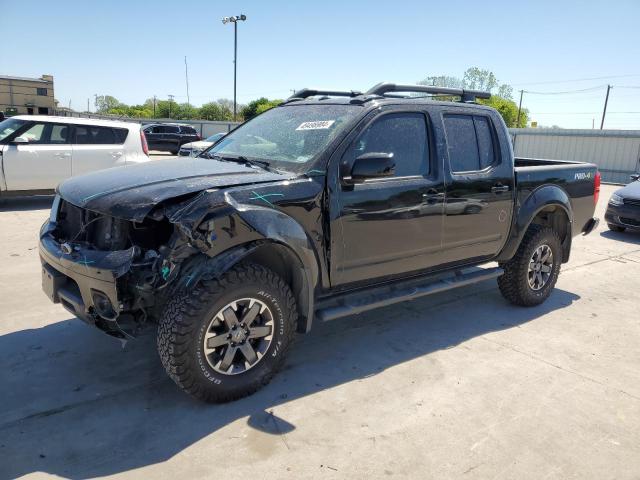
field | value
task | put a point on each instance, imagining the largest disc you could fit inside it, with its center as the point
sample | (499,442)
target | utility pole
(88,111)
(604,112)
(235,21)
(154,106)
(170,102)
(519,109)
(186,76)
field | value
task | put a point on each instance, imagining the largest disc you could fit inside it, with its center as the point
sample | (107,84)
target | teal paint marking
(263,197)
(165,272)
(86,262)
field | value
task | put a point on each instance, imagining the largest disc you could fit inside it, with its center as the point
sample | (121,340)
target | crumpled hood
(131,192)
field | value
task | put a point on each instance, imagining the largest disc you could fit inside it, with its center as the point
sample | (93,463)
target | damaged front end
(100,267)
(117,274)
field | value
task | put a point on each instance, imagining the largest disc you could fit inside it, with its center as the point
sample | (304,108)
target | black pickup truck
(329,205)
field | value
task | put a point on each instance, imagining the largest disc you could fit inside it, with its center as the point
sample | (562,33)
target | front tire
(530,276)
(229,336)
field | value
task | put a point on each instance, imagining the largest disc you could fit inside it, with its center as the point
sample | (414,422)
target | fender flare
(541,198)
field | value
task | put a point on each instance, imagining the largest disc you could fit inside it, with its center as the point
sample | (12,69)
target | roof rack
(464,94)
(310,92)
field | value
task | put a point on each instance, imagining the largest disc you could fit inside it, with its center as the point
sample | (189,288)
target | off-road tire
(186,318)
(615,228)
(514,283)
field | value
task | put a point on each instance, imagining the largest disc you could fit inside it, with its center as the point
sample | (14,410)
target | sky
(134,50)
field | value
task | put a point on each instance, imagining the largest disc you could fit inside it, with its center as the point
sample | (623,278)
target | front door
(42,163)
(479,191)
(392,225)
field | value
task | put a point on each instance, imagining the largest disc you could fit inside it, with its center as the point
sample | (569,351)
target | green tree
(104,103)
(508,110)
(258,106)
(475,78)
(218,110)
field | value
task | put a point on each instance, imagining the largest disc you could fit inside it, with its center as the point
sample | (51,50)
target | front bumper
(85,281)
(627,216)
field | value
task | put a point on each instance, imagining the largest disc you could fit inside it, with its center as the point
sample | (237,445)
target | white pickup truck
(38,152)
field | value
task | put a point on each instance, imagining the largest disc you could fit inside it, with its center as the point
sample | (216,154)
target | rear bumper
(84,281)
(623,216)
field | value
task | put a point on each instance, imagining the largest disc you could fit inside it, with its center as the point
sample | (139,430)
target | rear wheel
(229,336)
(530,276)
(615,228)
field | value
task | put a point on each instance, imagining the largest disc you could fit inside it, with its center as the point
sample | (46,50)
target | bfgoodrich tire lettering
(187,319)
(515,283)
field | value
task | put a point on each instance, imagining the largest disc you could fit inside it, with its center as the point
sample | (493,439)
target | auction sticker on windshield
(320,125)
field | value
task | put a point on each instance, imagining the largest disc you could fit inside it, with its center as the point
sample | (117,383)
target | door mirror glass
(20,140)
(373,165)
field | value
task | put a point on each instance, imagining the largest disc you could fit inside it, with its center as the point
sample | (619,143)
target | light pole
(234,20)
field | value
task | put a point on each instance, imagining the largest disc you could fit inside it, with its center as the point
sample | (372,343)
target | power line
(548,82)
(590,89)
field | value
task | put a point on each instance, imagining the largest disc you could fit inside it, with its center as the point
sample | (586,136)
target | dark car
(623,210)
(329,205)
(169,137)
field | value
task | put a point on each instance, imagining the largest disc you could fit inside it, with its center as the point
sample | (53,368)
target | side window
(121,135)
(35,133)
(59,134)
(188,130)
(470,142)
(404,135)
(90,135)
(485,141)
(171,129)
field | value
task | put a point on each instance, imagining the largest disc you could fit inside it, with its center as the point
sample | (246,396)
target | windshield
(9,126)
(289,137)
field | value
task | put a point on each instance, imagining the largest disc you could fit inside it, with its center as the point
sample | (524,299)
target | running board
(353,303)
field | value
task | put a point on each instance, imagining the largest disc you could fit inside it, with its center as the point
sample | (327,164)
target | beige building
(27,96)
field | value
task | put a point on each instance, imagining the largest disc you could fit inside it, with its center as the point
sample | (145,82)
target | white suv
(38,152)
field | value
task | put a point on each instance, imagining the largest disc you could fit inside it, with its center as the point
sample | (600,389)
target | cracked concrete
(457,385)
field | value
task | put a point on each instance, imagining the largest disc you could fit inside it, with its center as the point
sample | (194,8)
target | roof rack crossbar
(311,92)
(465,94)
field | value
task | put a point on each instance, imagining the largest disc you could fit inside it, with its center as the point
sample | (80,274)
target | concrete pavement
(457,385)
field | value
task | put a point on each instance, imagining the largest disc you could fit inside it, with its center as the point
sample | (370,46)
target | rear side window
(90,135)
(170,129)
(188,130)
(470,142)
(404,135)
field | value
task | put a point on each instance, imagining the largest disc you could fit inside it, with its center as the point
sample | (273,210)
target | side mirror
(20,140)
(635,177)
(373,165)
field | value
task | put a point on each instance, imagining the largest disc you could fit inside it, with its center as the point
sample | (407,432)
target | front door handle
(63,154)
(499,188)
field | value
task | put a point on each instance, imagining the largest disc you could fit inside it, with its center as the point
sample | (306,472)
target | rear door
(97,148)
(479,186)
(42,163)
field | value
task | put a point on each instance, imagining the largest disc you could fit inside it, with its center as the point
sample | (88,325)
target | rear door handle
(63,154)
(500,188)
(116,154)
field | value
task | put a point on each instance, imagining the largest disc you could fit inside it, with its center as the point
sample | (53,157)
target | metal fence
(205,128)
(615,152)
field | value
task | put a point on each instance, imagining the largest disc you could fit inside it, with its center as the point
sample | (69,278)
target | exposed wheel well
(281,260)
(556,217)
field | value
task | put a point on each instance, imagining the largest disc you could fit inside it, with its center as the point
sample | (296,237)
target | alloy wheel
(238,336)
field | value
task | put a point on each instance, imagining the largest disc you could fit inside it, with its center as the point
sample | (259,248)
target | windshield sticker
(321,125)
